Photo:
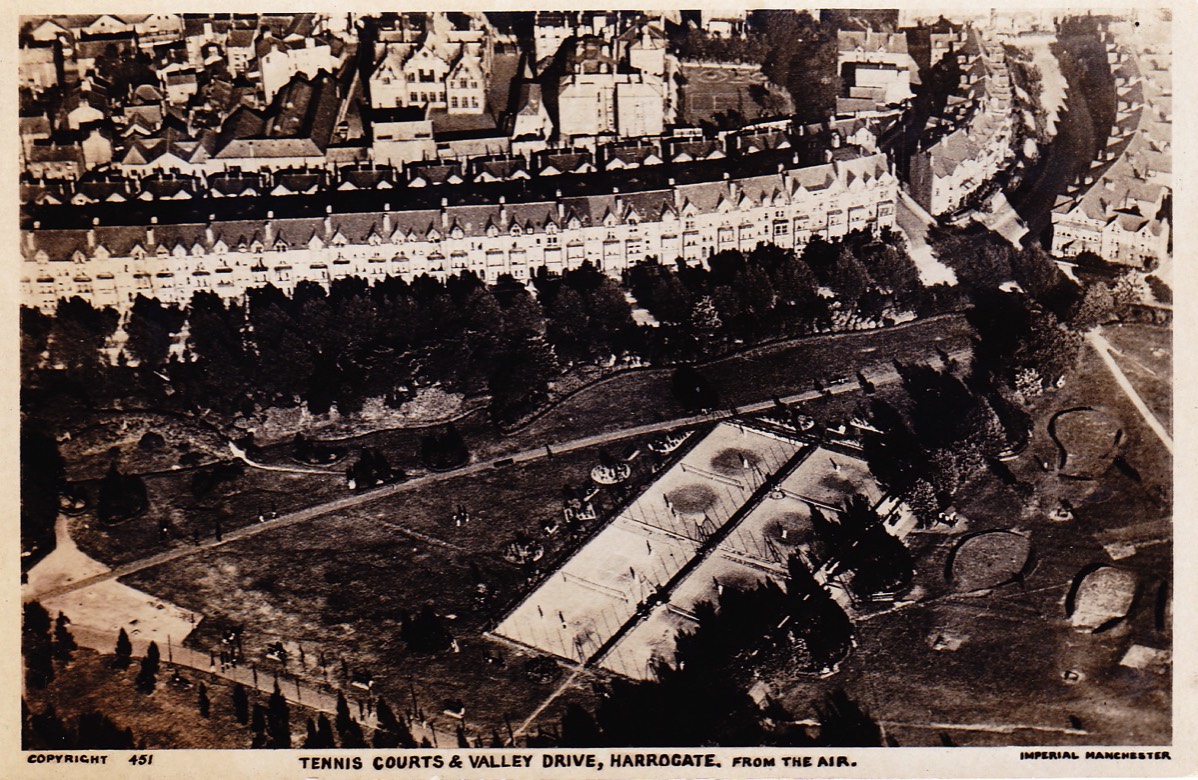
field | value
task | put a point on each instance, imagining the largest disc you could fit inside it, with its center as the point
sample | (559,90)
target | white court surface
(756,549)
(582,605)
(598,592)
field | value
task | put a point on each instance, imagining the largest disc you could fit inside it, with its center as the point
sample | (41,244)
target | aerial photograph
(544,379)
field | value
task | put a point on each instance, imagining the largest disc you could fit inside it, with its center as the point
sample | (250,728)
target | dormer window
(492,231)
(516,230)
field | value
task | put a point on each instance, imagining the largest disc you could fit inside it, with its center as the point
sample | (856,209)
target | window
(474,102)
(453,102)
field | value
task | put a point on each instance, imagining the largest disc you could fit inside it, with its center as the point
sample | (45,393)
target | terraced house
(444,230)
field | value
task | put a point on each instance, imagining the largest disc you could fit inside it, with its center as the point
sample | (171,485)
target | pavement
(914,222)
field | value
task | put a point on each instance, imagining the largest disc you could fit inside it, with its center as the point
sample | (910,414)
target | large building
(441,230)
(1122,209)
(946,173)
(434,66)
(877,68)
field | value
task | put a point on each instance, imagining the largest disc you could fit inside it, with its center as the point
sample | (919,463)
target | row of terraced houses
(111,264)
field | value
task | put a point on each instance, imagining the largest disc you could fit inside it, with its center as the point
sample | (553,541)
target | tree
(705,319)
(123,655)
(692,390)
(278,720)
(1097,305)
(150,329)
(36,645)
(426,633)
(391,732)
(78,336)
(96,731)
(324,732)
(818,627)
(443,448)
(121,496)
(147,676)
(578,728)
(241,704)
(42,482)
(35,338)
(567,323)
(347,728)
(64,643)
(879,561)
(258,725)
(842,723)
(519,383)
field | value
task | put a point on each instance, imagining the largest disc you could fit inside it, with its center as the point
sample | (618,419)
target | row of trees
(43,643)
(354,341)
(46,730)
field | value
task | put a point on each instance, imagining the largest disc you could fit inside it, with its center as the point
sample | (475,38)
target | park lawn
(171,498)
(1017,640)
(167,718)
(340,586)
(1147,360)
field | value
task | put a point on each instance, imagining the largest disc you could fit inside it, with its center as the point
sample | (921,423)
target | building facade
(111,265)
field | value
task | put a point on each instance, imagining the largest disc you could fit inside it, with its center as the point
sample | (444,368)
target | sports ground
(728,513)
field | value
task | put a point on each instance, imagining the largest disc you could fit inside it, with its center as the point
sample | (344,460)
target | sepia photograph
(595,380)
